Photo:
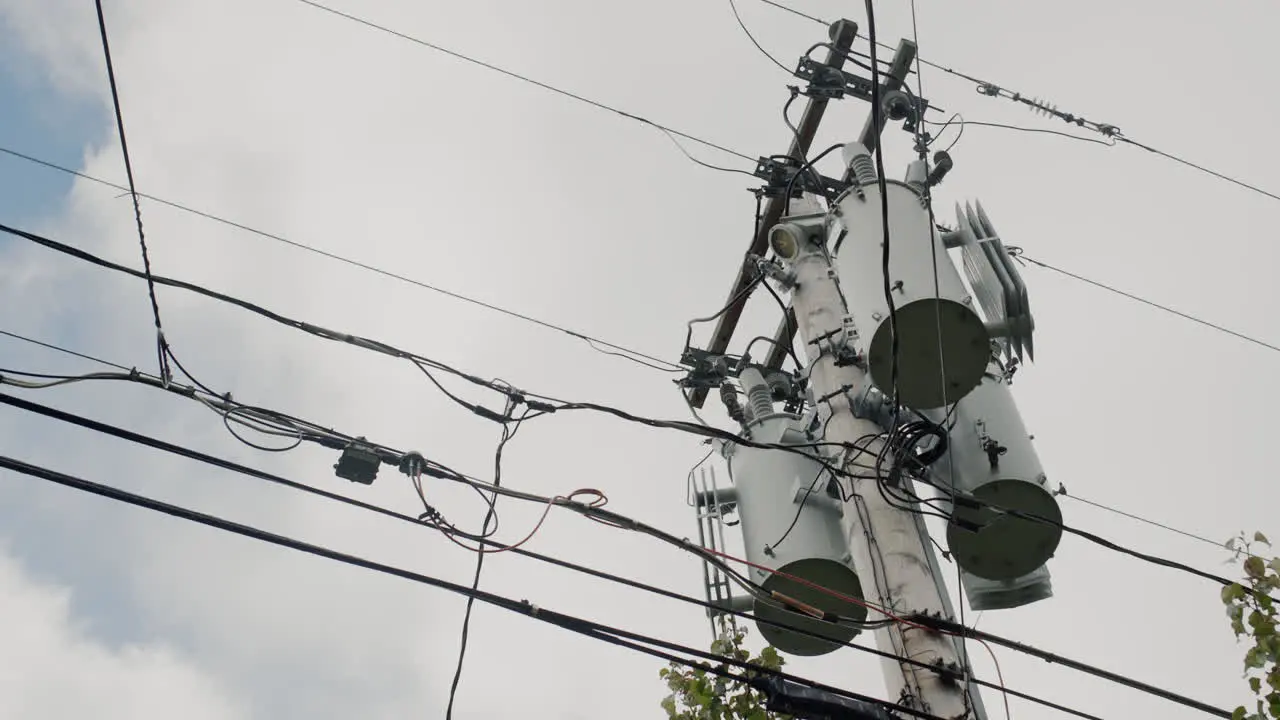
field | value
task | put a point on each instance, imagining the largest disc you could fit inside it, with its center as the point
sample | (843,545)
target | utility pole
(891,354)
(886,542)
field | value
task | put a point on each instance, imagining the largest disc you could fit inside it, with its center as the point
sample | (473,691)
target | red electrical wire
(600,500)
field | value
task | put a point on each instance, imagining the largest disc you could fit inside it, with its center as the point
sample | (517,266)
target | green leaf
(1239,713)
(1255,684)
(1259,537)
(1254,567)
(1233,592)
(1254,659)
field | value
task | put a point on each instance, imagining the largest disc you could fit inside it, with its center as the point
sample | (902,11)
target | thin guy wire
(133,191)
(517,76)
(57,348)
(671,367)
(1019,254)
(1201,168)
(1148,521)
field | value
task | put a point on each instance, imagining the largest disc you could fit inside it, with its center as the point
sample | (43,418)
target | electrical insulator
(993,470)
(791,523)
(943,345)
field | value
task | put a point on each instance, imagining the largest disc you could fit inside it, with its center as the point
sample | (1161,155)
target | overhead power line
(161,346)
(222,463)
(738,16)
(1018,253)
(252,472)
(522,78)
(617,636)
(690,427)
(1043,131)
(1074,665)
(136,437)
(160,445)
(684,426)
(1149,521)
(619,350)
(1110,131)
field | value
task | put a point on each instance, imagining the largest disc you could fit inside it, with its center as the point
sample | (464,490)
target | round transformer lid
(943,351)
(1006,546)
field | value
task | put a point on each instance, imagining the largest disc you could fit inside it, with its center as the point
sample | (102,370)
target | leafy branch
(696,694)
(1253,615)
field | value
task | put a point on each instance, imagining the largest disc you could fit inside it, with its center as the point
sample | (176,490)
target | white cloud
(52,667)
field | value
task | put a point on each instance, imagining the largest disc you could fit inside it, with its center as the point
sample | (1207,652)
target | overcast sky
(288,119)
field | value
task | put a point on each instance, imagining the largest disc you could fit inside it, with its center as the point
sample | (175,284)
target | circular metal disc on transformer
(926,377)
(825,573)
(1006,546)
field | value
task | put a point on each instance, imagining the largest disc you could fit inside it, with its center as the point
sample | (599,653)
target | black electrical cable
(787,320)
(215,461)
(161,346)
(509,430)
(959,629)
(738,296)
(361,342)
(392,351)
(574,624)
(703,163)
(876,121)
(787,317)
(621,350)
(734,6)
(807,166)
(972,502)
(680,425)
(799,510)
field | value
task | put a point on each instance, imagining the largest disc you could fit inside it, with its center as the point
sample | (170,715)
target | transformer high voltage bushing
(790,509)
(943,345)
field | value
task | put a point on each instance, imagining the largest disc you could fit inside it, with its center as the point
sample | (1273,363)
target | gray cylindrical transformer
(792,524)
(996,467)
(932,371)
